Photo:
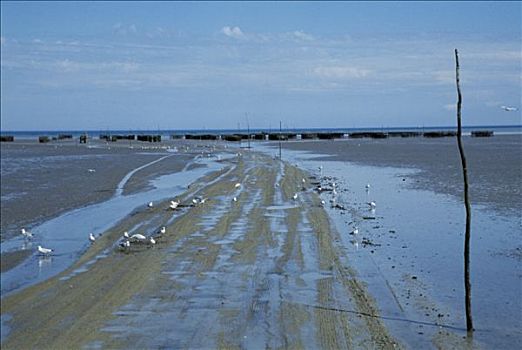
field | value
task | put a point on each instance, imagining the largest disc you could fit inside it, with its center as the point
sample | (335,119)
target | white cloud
(233,32)
(299,34)
(121,29)
(340,72)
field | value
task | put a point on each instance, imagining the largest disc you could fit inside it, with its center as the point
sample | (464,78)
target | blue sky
(179,65)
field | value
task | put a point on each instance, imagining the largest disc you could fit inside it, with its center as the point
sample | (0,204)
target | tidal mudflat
(260,262)
(261,270)
(409,251)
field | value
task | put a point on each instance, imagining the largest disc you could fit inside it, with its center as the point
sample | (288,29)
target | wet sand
(409,251)
(494,164)
(265,271)
(41,181)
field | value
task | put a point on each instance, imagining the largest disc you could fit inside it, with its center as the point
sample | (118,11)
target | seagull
(163,230)
(138,237)
(237,185)
(202,201)
(44,251)
(173,205)
(152,240)
(194,201)
(126,234)
(26,234)
(355,231)
(304,180)
(91,170)
(368,186)
(509,109)
(323,203)
(234,199)
(150,205)
(295,197)
(372,205)
(91,237)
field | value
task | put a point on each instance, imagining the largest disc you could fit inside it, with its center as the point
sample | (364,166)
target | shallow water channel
(67,234)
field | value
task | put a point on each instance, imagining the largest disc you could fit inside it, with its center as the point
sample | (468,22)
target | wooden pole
(280,129)
(467,283)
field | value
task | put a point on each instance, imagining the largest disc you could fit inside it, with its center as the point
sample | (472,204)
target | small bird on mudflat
(26,234)
(45,251)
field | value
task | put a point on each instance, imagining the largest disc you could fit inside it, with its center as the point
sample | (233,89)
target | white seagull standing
(173,205)
(163,230)
(126,234)
(138,237)
(150,205)
(368,187)
(372,205)
(91,237)
(355,231)
(234,199)
(152,241)
(237,185)
(26,234)
(295,197)
(44,251)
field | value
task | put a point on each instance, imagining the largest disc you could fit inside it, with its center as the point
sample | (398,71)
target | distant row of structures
(284,136)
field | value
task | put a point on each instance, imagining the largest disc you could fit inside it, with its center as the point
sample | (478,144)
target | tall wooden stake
(280,129)
(467,283)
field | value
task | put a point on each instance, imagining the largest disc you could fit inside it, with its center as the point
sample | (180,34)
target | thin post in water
(467,283)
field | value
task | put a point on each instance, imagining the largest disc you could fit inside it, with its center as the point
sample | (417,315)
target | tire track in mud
(261,272)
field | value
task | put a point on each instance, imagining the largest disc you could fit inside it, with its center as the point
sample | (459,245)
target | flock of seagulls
(174,204)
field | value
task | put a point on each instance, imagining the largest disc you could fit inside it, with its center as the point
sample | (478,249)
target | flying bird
(44,251)
(509,109)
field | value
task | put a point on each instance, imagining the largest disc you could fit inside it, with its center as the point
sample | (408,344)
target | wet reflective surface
(410,252)
(67,234)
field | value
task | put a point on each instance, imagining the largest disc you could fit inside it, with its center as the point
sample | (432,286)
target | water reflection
(44,262)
